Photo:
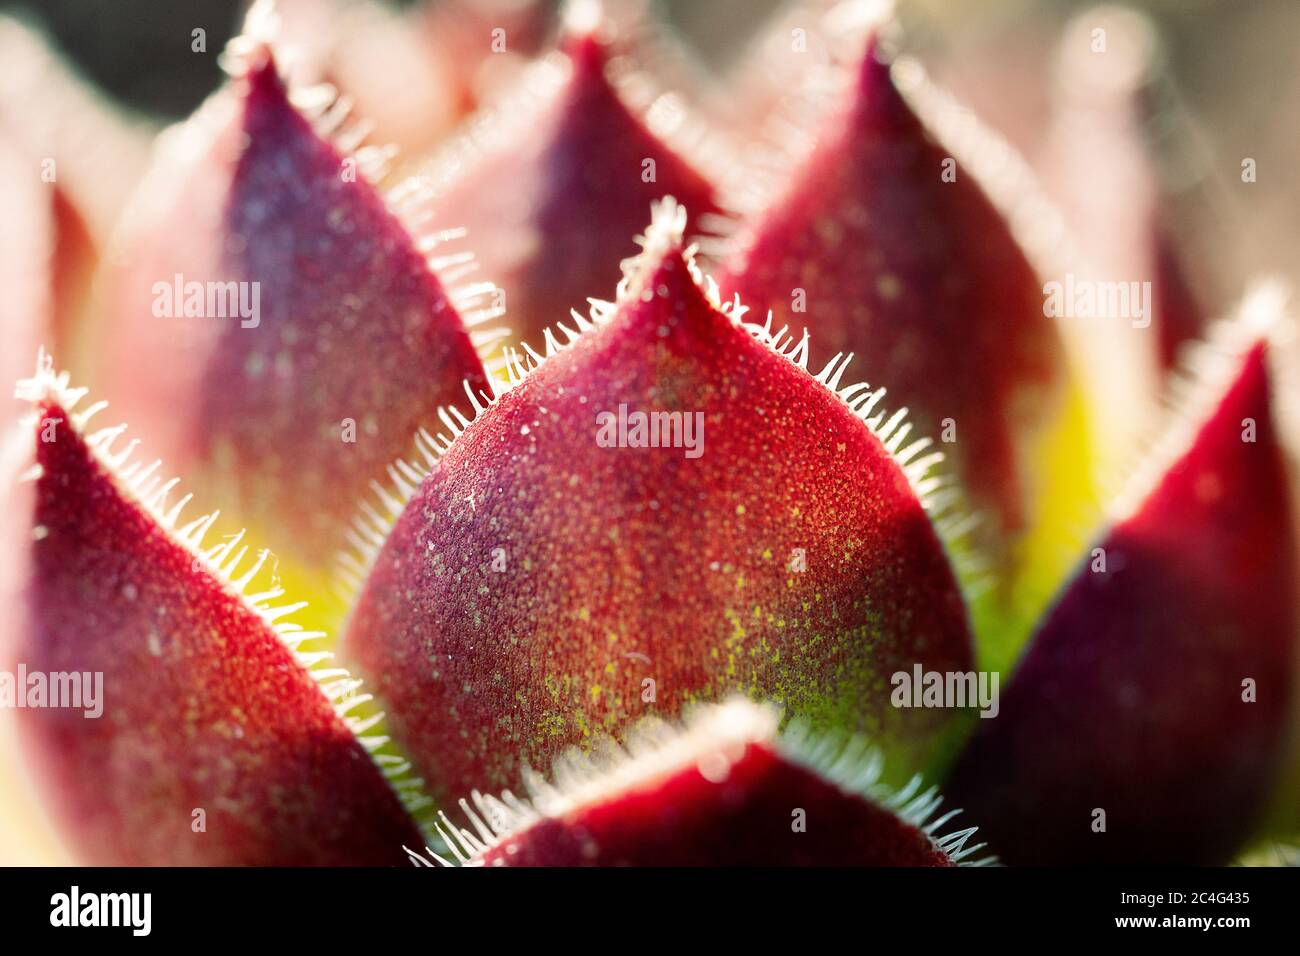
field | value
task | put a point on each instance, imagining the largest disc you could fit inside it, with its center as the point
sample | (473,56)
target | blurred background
(1229,68)
(1202,90)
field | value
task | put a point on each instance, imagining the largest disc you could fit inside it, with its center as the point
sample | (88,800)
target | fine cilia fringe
(655,749)
(249,578)
(375,519)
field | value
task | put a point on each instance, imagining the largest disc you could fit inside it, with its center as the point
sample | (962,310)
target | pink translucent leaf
(406,87)
(775,66)
(1114,176)
(26,320)
(26,246)
(483,43)
(81,155)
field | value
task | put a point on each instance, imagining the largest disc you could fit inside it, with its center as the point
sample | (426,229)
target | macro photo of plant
(641,433)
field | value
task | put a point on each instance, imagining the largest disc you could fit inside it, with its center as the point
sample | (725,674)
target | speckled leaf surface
(883,245)
(211,744)
(540,587)
(284,417)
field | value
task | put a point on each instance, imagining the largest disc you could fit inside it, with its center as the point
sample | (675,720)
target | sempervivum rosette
(679,489)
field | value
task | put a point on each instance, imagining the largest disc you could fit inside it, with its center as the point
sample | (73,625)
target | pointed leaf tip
(192,734)
(881,243)
(554,183)
(559,568)
(275,330)
(1166,665)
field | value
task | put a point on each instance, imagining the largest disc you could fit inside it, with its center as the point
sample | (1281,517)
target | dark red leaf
(1133,697)
(540,587)
(728,790)
(553,187)
(877,249)
(203,740)
(286,416)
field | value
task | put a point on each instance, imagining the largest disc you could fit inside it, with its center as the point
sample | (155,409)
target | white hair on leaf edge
(1207,367)
(655,750)
(230,564)
(936,492)
(330,114)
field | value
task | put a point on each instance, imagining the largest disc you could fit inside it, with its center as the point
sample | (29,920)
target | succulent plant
(728,790)
(623,526)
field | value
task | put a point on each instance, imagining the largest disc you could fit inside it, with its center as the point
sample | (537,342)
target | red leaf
(1131,698)
(880,253)
(539,586)
(555,184)
(292,413)
(203,706)
(728,790)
